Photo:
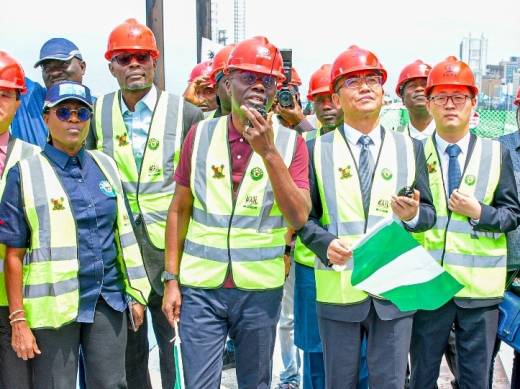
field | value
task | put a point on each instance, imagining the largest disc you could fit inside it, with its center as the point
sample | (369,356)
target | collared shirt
(421,135)
(4,140)
(94,210)
(441,146)
(138,123)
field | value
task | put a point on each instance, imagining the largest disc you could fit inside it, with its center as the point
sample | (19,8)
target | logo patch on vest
(57,204)
(256,173)
(432,167)
(122,139)
(106,189)
(154,170)
(386,173)
(153,144)
(251,202)
(346,172)
(470,179)
(218,171)
(383,206)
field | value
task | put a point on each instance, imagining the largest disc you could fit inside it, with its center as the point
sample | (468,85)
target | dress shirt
(441,145)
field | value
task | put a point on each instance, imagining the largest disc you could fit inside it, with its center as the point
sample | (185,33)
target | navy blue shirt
(94,208)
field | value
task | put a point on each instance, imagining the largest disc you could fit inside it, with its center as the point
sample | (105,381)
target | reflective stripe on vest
(247,232)
(149,191)
(50,275)
(342,204)
(16,151)
(476,259)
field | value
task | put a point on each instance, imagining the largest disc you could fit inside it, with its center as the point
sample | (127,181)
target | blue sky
(398,32)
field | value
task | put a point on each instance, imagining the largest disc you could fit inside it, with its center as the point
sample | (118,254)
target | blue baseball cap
(67,90)
(58,48)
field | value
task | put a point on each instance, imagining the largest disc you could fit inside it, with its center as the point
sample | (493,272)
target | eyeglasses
(442,100)
(357,82)
(250,78)
(126,59)
(64,113)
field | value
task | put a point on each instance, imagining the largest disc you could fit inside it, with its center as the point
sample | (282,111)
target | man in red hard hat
(142,128)
(356,174)
(201,90)
(410,88)
(241,182)
(474,192)
(15,372)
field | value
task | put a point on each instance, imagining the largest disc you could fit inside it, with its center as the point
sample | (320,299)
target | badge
(153,144)
(470,179)
(432,167)
(345,172)
(154,170)
(218,171)
(106,189)
(122,139)
(256,173)
(57,204)
(386,174)
(251,202)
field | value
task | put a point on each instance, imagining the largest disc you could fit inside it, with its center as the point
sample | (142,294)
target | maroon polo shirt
(240,153)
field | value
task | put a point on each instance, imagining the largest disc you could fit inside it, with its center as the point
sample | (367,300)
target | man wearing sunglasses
(356,174)
(15,373)
(60,60)
(242,180)
(142,128)
(475,196)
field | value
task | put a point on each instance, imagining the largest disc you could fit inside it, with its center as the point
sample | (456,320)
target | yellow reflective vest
(149,190)
(245,233)
(50,275)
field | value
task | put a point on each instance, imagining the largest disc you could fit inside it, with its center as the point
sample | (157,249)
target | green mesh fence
(492,123)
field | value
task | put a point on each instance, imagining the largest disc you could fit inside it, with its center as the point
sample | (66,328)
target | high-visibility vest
(16,151)
(246,233)
(342,202)
(150,190)
(476,259)
(50,275)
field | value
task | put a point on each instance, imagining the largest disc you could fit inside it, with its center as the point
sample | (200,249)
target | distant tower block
(214,20)
(222,37)
(240,20)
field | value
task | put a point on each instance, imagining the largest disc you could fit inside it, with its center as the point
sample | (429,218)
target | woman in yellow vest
(72,265)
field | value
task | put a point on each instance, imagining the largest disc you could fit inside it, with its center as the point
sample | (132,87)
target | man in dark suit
(474,193)
(355,175)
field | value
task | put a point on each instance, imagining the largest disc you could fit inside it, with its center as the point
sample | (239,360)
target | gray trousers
(103,346)
(15,373)
(250,318)
(388,342)
(475,333)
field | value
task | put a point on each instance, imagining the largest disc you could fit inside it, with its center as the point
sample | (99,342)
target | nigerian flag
(390,263)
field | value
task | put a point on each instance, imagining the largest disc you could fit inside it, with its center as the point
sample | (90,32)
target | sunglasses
(126,59)
(250,78)
(64,114)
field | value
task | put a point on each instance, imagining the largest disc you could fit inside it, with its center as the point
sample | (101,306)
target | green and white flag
(390,263)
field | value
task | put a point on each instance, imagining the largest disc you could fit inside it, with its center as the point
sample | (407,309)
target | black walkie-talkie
(408,191)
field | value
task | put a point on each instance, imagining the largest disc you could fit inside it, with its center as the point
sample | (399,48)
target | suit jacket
(314,236)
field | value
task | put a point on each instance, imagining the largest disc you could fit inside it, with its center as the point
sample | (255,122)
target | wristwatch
(167,276)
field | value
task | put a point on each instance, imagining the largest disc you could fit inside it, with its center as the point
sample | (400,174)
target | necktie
(366,166)
(454,174)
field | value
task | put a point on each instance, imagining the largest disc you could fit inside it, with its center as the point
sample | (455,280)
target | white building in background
(473,51)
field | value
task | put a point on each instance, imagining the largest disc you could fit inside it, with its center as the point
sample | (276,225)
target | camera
(285,94)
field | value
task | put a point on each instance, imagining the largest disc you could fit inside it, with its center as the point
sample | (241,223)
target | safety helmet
(451,71)
(12,75)
(129,36)
(220,60)
(319,82)
(355,59)
(417,69)
(201,69)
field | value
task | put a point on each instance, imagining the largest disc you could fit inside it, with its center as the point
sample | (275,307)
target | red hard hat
(201,69)
(319,82)
(220,60)
(12,75)
(295,78)
(517,99)
(417,69)
(257,55)
(451,71)
(131,35)
(355,59)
